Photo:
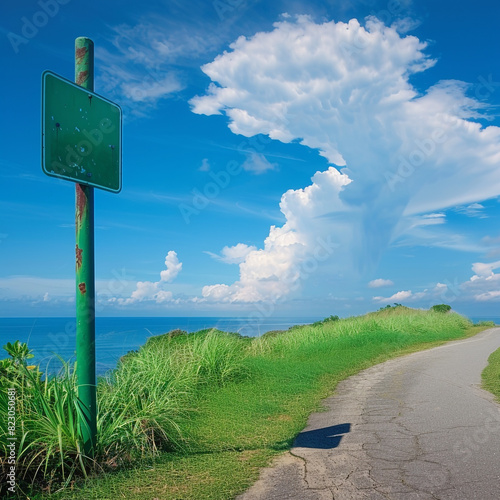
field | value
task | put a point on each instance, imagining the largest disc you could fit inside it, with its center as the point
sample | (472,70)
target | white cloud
(205,165)
(344,90)
(154,291)
(484,269)
(431,219)
(145,290)
(399,296)
(258,164)
(141,91)
(378,283)
(484,285)
(438,292)
(173,266)
(218,293)
(233,255)
(294,251)
(488,296)
(440,288)
(473,210)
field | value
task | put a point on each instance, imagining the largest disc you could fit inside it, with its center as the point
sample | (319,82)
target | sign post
(81,142)
(85,273)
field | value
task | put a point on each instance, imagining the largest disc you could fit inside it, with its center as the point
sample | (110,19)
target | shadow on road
(323,439)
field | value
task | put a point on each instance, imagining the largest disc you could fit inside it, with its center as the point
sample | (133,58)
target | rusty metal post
(85,274)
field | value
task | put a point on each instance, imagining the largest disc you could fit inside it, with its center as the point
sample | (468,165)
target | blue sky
(279,158)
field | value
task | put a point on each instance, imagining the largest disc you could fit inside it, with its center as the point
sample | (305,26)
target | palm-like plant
(19,352)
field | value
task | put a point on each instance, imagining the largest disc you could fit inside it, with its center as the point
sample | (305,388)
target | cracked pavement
(415,427)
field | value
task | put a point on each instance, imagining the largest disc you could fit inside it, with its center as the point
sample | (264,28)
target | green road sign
(81,134)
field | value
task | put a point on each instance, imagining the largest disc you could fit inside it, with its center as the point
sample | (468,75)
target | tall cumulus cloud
(396,154)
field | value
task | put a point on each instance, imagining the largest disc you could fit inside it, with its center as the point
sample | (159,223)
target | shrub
(330,319)
(441,308)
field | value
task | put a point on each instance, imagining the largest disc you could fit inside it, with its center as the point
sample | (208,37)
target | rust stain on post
(83,288)
(79,252)
(84,60)
(80,53)
(81,204)
(82,77)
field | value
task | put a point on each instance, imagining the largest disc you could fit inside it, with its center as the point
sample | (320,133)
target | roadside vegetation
(491,374)
(196,415)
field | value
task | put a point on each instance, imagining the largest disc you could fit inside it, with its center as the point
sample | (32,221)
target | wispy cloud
(257,163)
(35,287)
(473,210)
(143,63)
(398,296)
(205,165)
(379,283)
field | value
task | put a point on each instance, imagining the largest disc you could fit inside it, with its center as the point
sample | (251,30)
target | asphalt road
(416,427)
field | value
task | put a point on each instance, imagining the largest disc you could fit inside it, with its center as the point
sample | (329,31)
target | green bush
(330,319)
(441,308)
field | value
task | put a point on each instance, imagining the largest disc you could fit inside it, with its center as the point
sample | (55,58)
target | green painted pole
(85,274)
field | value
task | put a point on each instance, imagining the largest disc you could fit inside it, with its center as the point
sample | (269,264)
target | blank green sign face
(81,134)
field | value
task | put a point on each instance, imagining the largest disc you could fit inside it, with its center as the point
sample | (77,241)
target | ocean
(48,337)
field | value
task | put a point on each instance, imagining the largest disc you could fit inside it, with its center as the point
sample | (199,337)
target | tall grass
(142,406)
(397,325)
(216,357)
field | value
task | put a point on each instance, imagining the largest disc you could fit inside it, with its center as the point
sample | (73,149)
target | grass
(491,375)
(198,415)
